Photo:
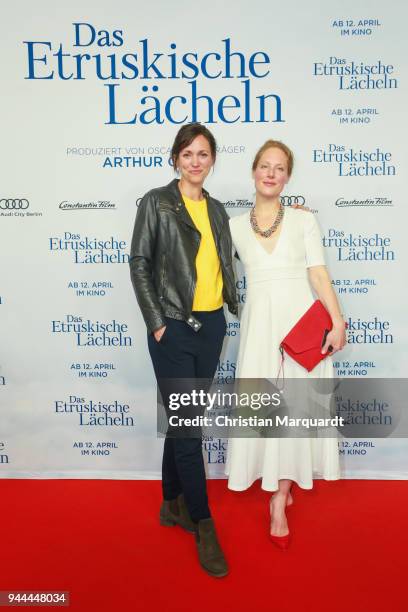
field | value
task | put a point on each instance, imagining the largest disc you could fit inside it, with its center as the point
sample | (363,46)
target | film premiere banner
(94,100)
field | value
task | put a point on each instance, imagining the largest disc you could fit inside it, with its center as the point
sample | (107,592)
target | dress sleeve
(313,241)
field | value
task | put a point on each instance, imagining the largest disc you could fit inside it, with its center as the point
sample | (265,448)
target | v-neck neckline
(267,253)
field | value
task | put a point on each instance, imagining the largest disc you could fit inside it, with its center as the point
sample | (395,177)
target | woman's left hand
(336,339)
(300,207)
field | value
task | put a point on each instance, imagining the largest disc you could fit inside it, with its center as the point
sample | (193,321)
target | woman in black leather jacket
(181,270)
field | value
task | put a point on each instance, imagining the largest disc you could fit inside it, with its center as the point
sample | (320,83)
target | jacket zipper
(163,275)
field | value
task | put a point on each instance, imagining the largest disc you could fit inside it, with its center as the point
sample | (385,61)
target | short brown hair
(185,136)
(275,144)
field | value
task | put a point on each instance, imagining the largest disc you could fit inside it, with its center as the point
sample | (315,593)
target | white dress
(278,294)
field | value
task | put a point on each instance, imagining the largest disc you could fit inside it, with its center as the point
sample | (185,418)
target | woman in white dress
(282,253)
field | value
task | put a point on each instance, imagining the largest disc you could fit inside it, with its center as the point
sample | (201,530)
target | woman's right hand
(158,333)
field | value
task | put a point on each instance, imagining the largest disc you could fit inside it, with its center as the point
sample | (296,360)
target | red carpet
(101,541)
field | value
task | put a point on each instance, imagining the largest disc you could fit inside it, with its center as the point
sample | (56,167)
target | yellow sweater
(208,291)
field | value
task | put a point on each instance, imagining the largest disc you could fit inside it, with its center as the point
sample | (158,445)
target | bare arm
(321,283)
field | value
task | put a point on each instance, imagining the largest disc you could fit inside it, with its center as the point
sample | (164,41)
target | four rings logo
(14,203)
(288,200)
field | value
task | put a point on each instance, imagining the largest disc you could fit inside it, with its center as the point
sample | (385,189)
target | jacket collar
(173,186)
(181,207)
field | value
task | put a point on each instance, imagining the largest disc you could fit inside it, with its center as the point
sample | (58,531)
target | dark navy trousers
(185,354)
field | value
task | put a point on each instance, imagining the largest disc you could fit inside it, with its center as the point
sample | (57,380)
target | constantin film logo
(68,205)
(16,207)
(375,202)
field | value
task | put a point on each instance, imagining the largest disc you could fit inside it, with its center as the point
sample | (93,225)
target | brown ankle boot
(211,557)
(175,512)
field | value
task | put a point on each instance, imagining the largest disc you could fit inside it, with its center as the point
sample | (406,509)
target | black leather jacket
(163,252)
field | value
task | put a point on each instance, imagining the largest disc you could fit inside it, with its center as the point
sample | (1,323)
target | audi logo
(287,200)
(14,204)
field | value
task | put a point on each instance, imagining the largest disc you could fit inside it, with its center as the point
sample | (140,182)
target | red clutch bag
(305,340)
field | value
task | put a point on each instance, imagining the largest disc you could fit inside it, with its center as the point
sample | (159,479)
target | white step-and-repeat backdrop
(93,95)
